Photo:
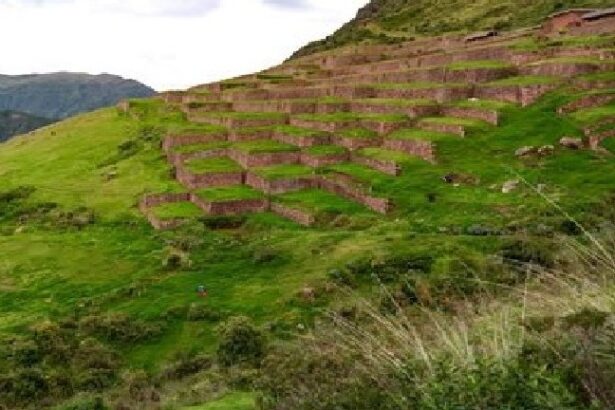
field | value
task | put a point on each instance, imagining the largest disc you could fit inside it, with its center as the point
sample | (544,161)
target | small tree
(241,342)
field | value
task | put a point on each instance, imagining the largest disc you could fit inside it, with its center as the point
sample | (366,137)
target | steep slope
(13,123)
(391,21)
(395,171)
(61,95)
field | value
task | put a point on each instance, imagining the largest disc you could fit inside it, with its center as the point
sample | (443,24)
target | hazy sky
(165,43)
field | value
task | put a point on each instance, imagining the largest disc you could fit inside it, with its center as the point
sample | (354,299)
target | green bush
(118,327)
(240,342)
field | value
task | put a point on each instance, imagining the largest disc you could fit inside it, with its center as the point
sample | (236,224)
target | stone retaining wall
(524,95)
(478,75)
(557,69)
(386,167)
(173,97)
(382,127)
(177,159)
(153,200)
(266,159)
(411,111)
(235,123)
(587,101)
(351,92)
(323,126)
(207,107)
(490,116)
(445,128)
(239,136)
(245,95)
(288,107)
(297,215)
(439,94)
(345,188)
(354,144)
(299,93)
(302,141)
(280,186)
(332,107)
(228,208)
(420,148)
(215,179)
(322,161)
(176,140)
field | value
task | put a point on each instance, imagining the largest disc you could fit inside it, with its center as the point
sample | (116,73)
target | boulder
(525,151)
(546,150)
(572,143)
(510,186)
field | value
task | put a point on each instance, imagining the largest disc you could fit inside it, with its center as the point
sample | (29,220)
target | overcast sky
(166,44)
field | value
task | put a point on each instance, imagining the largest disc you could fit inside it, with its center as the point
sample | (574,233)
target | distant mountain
(61,95)
(14,123)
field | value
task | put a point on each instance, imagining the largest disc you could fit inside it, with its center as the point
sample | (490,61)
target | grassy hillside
(391,21)
(100,310)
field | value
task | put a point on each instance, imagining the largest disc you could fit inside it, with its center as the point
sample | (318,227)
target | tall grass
(493,327)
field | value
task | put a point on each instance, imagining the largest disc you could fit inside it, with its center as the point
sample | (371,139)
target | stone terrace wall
(153,200)
(420,148)
(323,126)
(280,186)
(386,167)
(478,75)
(176,140)
(248,160)
(288,107)
(177,159)
(560,69)
(241,136)
(207,107)
(411,111)
(524,95)
(148,202)
(302,141)
(227,208)
(445,128)
(354,144)
(217,179)
(587,101)
(439,94)
(344,187)
(322,161)
(490,116)
(297,215)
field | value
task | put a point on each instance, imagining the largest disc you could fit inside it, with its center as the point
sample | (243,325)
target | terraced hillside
(135,236)
(363,124)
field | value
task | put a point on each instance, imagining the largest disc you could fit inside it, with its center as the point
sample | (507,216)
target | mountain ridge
(63,94)
(393,21)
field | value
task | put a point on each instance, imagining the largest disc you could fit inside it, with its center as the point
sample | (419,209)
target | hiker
(202,291)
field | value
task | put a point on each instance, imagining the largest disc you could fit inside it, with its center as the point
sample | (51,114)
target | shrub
(240,342)
(85,402)
(118,327)
(198,312)
(186,364)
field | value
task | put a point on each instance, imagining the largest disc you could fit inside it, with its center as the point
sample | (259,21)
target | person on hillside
(201,290)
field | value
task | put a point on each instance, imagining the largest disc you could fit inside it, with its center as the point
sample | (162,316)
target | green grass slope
(78,251)
(390,21)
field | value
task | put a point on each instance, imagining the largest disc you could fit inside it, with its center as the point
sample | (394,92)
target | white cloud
(164,43)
